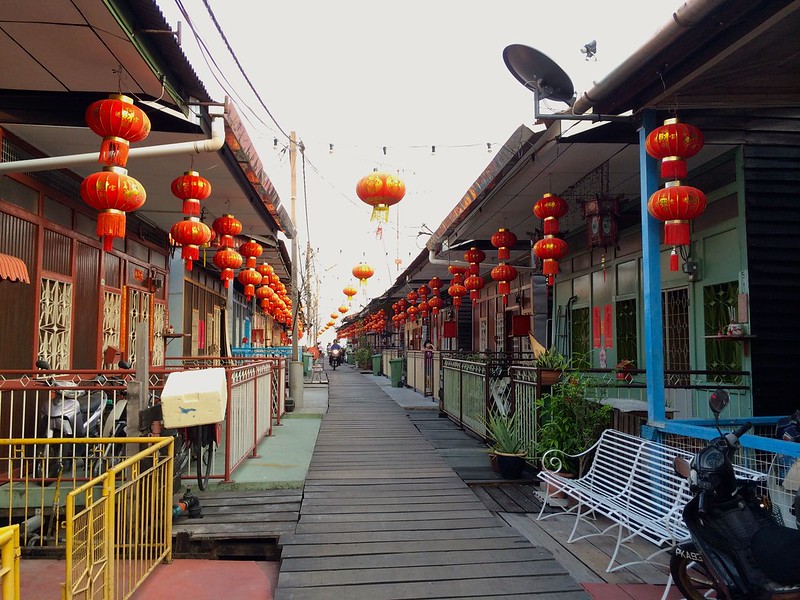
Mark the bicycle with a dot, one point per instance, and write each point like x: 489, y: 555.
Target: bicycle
x: 200, y: 442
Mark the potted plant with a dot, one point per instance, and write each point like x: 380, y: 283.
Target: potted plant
x: 571, y: 423
x: 551, y: 364
x: 508, y: 445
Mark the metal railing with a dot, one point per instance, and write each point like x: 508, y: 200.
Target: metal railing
x: 473, y: 384
x: 256, y: 393
x: 9, y: 562
x: 422, y: 372
x: 113, y: 529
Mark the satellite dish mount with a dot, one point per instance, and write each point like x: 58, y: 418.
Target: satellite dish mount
x: 546, y: 80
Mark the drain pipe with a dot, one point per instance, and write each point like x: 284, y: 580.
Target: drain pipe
x: 49, y: 163
x: 461, y: 263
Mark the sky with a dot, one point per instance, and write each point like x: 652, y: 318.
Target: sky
x: 363, y: 75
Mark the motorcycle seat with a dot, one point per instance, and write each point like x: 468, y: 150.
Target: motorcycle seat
x: 775, y: 552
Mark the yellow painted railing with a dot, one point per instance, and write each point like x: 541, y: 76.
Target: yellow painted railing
x: 9, y: 562
x: 115, y: 527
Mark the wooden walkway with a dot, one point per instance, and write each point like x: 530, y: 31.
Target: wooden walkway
x: 383, y: 516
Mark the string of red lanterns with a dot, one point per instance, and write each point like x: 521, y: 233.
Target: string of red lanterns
x: 675, y: 204
x: 550, y: 249
x: 112, y: 192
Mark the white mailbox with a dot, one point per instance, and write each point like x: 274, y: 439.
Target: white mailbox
x: 196, y: 397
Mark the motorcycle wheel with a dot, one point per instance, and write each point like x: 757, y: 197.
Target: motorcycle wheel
x: 693, y: 580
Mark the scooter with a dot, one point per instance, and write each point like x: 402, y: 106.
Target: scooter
x: 79, y: 413
x: 335, y: 358
x: 738, y: 548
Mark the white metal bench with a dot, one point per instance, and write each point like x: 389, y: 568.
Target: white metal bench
x: 631, y: 481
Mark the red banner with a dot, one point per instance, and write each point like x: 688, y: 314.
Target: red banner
x: 597, y: 327
x: 608, y: 314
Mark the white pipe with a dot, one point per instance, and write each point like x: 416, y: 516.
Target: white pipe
x: 461, y: 263
x: 211, y: 144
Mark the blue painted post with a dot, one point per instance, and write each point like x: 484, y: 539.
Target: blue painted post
x: 651, y: 279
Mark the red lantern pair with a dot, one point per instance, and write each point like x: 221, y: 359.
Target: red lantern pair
x: 675, y: 204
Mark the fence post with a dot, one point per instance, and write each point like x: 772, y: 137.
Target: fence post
x: 461, y: 395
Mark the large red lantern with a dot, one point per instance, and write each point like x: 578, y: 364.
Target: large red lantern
x: 251, y: 250
x: 550, y: 249
x: 676, y: 205
x: 227, y: 259
x: 474, y: 283
x: 504, y: 274
x: 112, y: 192
x: 119, y: 123
x: 227, y: 226
x: 474, y: 256
x: 673, y: 143
x: 457, y: 291
x: 380, y: 191
x: 191, y: 233
x: 362, y: 272
x: 191, y: 188
x: 550, y: 209
x: 503, y: 240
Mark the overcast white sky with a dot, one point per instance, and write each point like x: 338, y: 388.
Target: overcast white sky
x: 363, y: 74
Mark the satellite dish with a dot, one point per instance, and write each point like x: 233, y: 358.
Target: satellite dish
x: 539, y: 73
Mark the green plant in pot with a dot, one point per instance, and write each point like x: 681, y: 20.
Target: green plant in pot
x: 508, y: 444
x: 570, y: 424
x: 552, y: 365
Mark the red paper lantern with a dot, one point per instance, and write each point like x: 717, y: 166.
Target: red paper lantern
x: 227, y: 260
x: 457, y: 273
x: 343, y: 309
x: 474, y: 283
x: 435, y: 284
x: 249, y: 278
x: 227, y: 226
x: 119, y: 123
x: 474, y: 257
x: 424, y: 308
x: 504, y: 274
x: 251, y: 250
x: 191, y: 188
x: 676, y: 205
x: 435, y: 303
x: 190, y: 234
x: 112, y: 192
x: 503, y: 240
x: 412, y: 297
x: 380, y: 191
x: 362, y: 272
x: 550, y: 249
x: 457, y: 291
x: 550, y: 209
x: 349, y: 291
x: 673, y: 143
x: 266, y: 270
x: 424, y: 291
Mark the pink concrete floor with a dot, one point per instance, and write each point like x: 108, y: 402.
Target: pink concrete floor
x: 195, y: 579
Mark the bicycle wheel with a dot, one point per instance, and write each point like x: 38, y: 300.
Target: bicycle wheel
x: 203, y: 452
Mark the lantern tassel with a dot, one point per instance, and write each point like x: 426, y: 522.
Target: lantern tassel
x: 673, y: 260
x: 191, y: 207
x: 114, y: 151
x: 676, y: 233
x: 110, y: 224
x: 380, y: 212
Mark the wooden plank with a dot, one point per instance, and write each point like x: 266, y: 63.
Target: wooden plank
x: 454, y: 546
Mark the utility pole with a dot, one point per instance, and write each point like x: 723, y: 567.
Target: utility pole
x: 295, y: 365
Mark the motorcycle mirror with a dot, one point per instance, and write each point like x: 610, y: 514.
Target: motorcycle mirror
x: 682, y: 466
x: 718, y: 401
x: 43, y: 365
x: 124, y: 364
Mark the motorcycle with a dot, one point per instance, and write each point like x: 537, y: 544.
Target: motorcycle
x: 335, y: 358
x: 739, y: 549
x: 80, y: 413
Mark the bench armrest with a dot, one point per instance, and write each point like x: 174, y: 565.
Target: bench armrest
x: 555, y: 458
